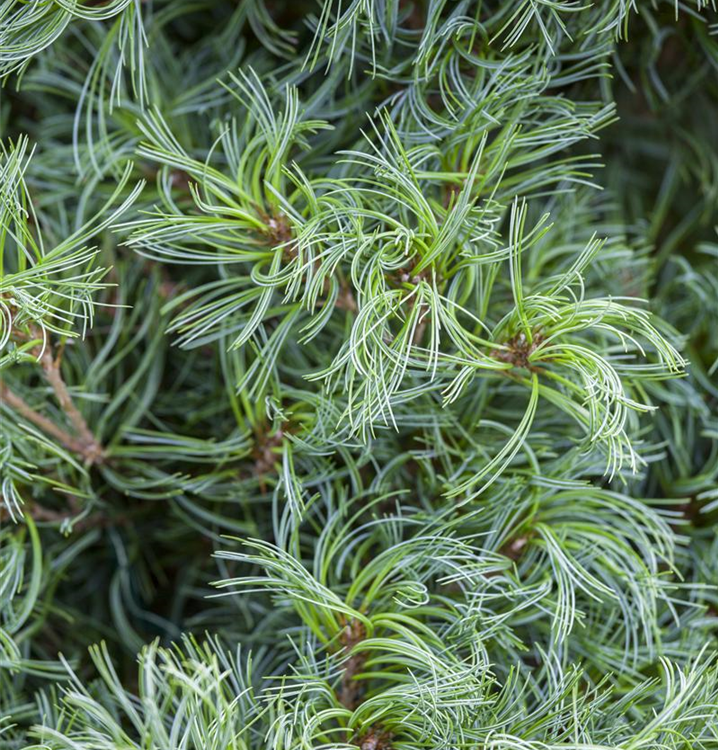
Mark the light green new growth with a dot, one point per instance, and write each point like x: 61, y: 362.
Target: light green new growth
x: 358, y: 375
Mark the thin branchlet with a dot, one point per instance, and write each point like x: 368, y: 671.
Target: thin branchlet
x: 83, y: 442
x: 351, y: 636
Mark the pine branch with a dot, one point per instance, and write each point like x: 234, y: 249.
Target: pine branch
x: 46, y: 425
x: 84, y: 442
x: 418, y: 305
x: 350, y: 688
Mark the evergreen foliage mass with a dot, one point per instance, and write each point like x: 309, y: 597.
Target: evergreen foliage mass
x: 359, y: 374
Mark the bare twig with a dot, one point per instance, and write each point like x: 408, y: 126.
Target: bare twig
x: 85, y: 444
x: 47, y: 426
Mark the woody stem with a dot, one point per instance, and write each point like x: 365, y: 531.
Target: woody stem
x: 85, y: 444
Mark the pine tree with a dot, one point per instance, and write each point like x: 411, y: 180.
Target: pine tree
x: 358, y: 374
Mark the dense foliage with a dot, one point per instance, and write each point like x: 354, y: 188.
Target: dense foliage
x: 359, y: 374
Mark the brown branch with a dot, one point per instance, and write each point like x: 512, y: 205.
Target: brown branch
x: 50, y: 428
x: 264, y: 456
x: 40, y: 513
x: 349, y: 692
x: 519, y: 351
x: 85, y: 444
x: 90, y: 448
x: 345, y: 299
x: 424, y: 320
x: 374, y: 739
x: 514, y: 548
x: 36, y: 512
